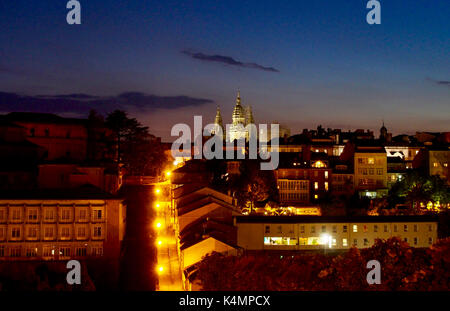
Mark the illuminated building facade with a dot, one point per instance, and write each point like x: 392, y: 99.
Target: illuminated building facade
x: 79, y: 224
x: 317, y: 232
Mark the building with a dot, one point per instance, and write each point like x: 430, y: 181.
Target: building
x: 434, y: 161
x: 286, y: 233
x: 241, y: 118
x: 68, y: 224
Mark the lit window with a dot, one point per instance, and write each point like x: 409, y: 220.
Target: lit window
x: 344, y: 242
x: 326, y: 186
x: 326, y: 174
x: 371, y: 160
x: 316, y: 185
x: 435, y: 164
x: 355, y: 228
x: 316, y: 196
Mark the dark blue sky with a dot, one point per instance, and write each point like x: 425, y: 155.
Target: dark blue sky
x: 302, y: 63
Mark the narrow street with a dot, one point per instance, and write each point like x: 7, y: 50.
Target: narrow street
x: 138, y: 264
x: 168, y: 267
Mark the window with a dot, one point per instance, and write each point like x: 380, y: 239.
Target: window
x: 49, y: 214
x: 371, y: 160
x: 64, y: 251
x: 430, y: 241
x: 405, y: 228
x: 81, y: 251
x: 316, y: 196
x: 2, y: 233
x: 81, y: 233
x: 47, y: 251
x: 16, y: 214
x: 344, y: 228
x: 2, y: 251
x: 375, y: 228
x: 415, y: 241
x: 32, y: 214
x: 385, y: 228
x: 47, y: 132
x: 267, y: 230
x: 316, y: 185
x: 435, y: 164
x: 279, y: 230
x: 313, y: 229
x: 97, y: 251
x: 355, y: 242
x: 326, y: 174
x: 365, y: 228
x: 395, y: 228
x: 326, y: 186
x: 98, y: 231
x: 334, y: 229
x: 31, y: 252
x: 65, y: 214
x: 302, y: 229
x: 48, y: 232
x: 65, y: 232
x: 324, y: 228
x: 280, y: 241
x: 15, y: 251
x: 406, y: 240
x: 15, y: 233
x: 430, y: 228
x: 97, y: 214
x: 380, y: 171
x: 415, y: 228
x: 32, y: 232
x: 333, y: 242
x: 366, y: 242
x: 2, y: 215
x: 355, y: 228
x: 344, y: 242
x: 83, y: 214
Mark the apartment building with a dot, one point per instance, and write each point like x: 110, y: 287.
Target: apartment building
x: 76, y: 223
x: 317, y: 233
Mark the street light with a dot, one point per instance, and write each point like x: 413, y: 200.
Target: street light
x: 157, y: 191
x: 168, y: 173
x: 160, y: 269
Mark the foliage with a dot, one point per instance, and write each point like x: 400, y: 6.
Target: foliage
x: 254, y: 185
x: 402, y: 268
x: 139, y: 151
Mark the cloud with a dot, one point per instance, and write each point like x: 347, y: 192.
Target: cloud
x: 83, y: 103
x: 439, y: 82
x: 227, y: 60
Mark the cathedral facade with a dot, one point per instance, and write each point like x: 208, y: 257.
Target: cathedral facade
x: 241, y: 117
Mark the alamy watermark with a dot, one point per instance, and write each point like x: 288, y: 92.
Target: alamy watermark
x: 258, y: 139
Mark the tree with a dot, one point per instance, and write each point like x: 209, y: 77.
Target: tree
x: 254, y: 185
x: 140, y: 152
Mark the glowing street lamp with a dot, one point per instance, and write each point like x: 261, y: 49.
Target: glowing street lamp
x: 160, y: 269
x: 158, y: 225
x: 157, y: 191
x: 168, y: 173
x: 159, y: 243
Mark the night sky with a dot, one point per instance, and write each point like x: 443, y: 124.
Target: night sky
x: 301, y: 63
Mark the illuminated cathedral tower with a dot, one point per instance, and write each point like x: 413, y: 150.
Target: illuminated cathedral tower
x: 240, y: 119
x: 218, y: 121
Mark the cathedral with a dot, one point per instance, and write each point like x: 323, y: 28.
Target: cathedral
x: 242, y: 116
